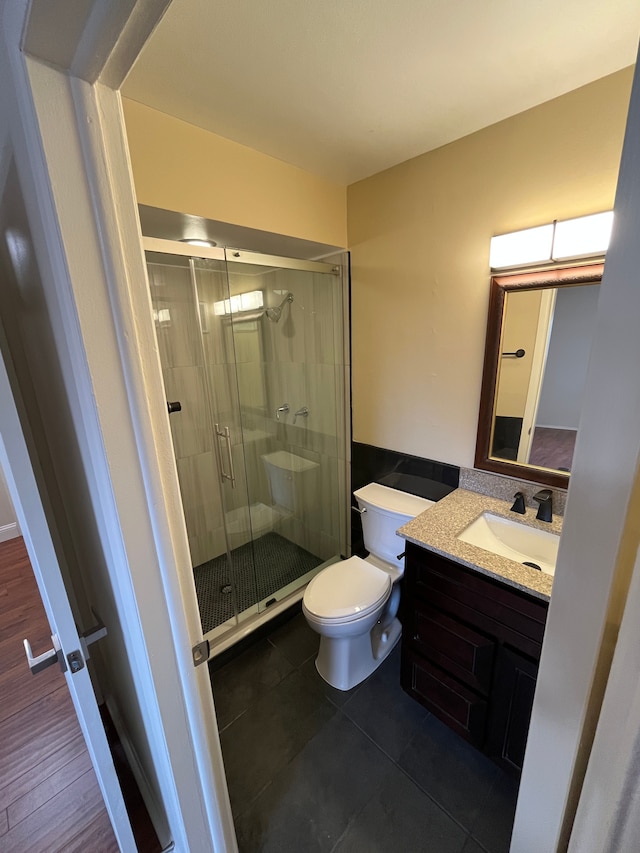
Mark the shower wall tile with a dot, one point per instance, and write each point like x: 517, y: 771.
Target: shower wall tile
x: 328, y: 547
x: 212, y: 287
x: 224, y: 393
x: 198, y: 476
x: 340, y: 310
x: 208, y: 546
x: 321, y: 326
x: 247, y: 341
x: 190, y: 428
x: 328, y: 521
x: 177, y: 334
x: 251, y: 386
x: 257, y: 480
x: 343, y: 384
x: 322, y: 402
x: 287, y: 384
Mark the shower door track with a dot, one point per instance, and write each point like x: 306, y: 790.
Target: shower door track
x: 228, y: 633
x: 235, y: 256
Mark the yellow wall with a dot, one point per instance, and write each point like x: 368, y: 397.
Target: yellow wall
x: 178, y: 166
x: 519, y: 328
x: 419, y: 235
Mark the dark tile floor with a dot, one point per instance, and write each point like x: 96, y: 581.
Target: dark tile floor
x: 310, y: 768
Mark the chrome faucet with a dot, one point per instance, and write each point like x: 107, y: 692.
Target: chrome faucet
x: 283, y: 409
x: 301, y: 413
x: 544, y: 498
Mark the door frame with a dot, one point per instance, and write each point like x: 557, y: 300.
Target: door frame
x: 72, y: 153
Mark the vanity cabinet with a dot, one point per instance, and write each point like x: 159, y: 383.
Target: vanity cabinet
x: 470, y: 652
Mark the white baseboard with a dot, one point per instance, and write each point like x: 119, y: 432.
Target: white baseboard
x: 156, y: 813
x: 9, y: 531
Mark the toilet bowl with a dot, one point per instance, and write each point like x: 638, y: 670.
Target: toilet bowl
x: 353, y: 604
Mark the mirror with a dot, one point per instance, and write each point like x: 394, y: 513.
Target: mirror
x: 539, y: 333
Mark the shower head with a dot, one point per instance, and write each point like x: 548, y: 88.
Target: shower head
x: 274, y: 314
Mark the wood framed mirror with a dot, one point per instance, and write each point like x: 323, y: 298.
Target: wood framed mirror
x: 539, y: 330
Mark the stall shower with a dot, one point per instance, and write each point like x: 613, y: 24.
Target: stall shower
x: 255, y: 366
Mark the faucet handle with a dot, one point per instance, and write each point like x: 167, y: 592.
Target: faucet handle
x: 544, y: 498
x: 518, y: 504
x: 301, y: 413
x: 283, y: 409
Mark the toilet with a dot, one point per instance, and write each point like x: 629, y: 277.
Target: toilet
x: 353, y: 603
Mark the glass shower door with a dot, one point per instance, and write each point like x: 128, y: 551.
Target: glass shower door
x: 290, y: 367
x: 253, y: 349
x: 230, y: 585
x: 197, y: 361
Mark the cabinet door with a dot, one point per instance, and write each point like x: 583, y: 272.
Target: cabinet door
x: 511, y: 704
x: 452, y: 702
x: 453, y: 646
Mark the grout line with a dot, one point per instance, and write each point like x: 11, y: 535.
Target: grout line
x: 464, y: 828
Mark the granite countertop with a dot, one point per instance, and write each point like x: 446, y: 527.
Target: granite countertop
x: 437, y: 529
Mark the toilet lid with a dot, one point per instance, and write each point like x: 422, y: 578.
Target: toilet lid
x: 350, y: 588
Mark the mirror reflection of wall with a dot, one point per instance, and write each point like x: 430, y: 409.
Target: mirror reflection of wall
x: 519, y: 328
x: 565, y: 374
x: 539, y: 396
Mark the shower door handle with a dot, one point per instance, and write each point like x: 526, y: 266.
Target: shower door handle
x: 224, y: 433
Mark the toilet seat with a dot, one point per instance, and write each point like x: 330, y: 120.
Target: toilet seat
x: 346, y: 591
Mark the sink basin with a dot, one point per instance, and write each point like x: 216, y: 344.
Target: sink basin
x: 514, y: 540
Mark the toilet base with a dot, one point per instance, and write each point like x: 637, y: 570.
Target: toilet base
x: 344, y: 662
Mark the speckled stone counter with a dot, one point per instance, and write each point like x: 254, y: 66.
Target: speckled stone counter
x: 437, y: 529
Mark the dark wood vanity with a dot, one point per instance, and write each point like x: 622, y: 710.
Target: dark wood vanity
x: 470, y: 652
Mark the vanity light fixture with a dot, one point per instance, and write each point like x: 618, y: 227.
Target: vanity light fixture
x: 531, y: 246
x: 579, y: 238
x: 586, y: 236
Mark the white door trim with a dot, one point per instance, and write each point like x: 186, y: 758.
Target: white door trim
x: 599, y: 539
x: 81, y: 201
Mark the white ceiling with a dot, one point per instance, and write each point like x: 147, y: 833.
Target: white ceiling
x: 346, y: 88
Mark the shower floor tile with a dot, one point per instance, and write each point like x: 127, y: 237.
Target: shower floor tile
x: 278, y: 562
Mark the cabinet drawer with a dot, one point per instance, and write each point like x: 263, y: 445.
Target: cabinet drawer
x: 458, y: 707
x: 488, y: 605
x: 457, y: 648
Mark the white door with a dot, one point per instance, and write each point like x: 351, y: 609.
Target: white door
x: 15, y: 460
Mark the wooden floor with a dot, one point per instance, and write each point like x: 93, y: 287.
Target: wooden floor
x: 553, y: 448
x: 49, y: 796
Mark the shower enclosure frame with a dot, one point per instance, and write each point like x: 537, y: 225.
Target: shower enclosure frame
x: 218, y: 640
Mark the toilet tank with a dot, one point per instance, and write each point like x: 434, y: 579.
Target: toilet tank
x: 292, y: 479
x: 387, y: 510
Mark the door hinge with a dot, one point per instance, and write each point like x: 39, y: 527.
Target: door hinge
x: 200, y: 652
